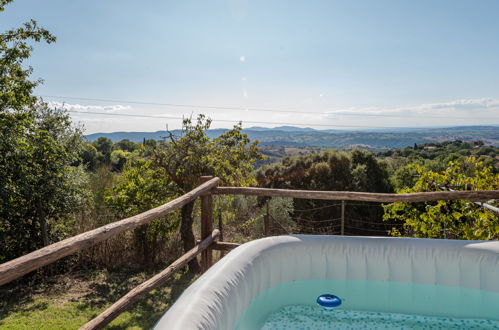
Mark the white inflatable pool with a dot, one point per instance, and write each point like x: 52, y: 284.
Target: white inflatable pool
x: 227, y: 293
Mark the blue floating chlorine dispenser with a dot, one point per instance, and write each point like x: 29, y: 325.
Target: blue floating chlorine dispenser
x: 328, y: 301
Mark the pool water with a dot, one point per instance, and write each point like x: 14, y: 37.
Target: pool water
x: 372, y: 305
x: 311, y: 317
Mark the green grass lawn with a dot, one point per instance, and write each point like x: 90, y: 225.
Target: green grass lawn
x: 69, y: 301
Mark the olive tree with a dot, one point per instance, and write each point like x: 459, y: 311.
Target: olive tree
x: 177, y: 164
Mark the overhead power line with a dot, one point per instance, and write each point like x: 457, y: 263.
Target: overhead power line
x: 226, y: 120
x: 238, y: 108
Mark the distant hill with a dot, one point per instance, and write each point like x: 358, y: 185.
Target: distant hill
x: 140, y: 136
x: 290, y: 136
x: 282, y: 128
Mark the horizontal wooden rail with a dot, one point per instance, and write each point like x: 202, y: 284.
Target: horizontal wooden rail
x: 16, y: 268
x: 131, y: 297
x: 361, y: 196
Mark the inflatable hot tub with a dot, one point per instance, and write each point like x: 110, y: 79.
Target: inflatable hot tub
x: 396, y: 282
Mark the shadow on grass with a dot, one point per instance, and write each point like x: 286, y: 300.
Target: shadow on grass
x: 147, y: 311
x: 17, y: 297
x: 84, y: 295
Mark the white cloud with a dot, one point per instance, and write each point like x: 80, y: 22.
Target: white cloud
x: 89, y: 108
x: 242, y: 58
x: 481, y: 106
x: 481, y: 103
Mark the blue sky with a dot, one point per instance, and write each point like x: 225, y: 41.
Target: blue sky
x: 334, y: 63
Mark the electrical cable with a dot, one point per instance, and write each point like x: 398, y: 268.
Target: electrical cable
x: 333, y: 112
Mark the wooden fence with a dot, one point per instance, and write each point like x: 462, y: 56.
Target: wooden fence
x: 16, y: 268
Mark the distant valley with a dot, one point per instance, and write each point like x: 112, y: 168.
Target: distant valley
x: 289, y: 136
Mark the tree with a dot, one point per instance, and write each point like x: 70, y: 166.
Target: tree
x: 38, y: 145
x: 104, y: 147
x: 151, y: 143
x: 139, y: 188
x: 328, y: 170
x: 16, y: 89
x: 405, y: 176
x: 89, y: 156
x: 126, y: 145
x: 118, y: 159
x: 448, y: 219
x: 185, y: 159
x: 39, y: 187
x: 179, y: 162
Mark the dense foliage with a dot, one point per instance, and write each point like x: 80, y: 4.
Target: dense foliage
x: 139, y: 188
x: 174, y: 168
x: 435, y: 157
x: 444, y: 151
x: 39, y: 187
x: 358, y: 170
x: 448, y: 219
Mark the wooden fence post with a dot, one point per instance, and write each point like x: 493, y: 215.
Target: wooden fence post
x: 206, y: 225
x: 342, y: 218
x: 220, y: 227
x: 266, y: 220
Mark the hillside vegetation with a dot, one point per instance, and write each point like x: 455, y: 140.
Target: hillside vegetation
x: 55, y: 184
